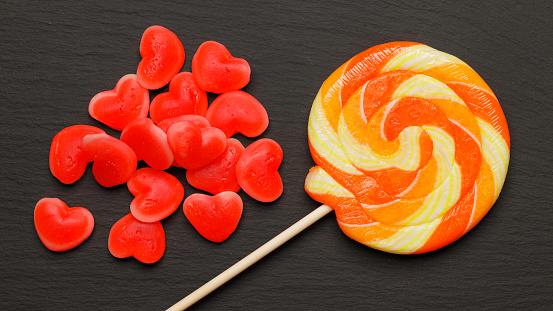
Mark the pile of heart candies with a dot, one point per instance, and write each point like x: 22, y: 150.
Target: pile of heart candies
x: 180, y: 131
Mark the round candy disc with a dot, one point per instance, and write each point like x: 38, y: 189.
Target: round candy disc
x: 412, y: 147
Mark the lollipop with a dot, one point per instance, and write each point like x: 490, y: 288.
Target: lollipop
x: 411, y: 147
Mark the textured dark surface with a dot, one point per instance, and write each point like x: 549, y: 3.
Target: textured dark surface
x: 54, y: 56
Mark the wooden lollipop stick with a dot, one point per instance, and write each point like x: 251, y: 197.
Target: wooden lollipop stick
x: 252, y: 258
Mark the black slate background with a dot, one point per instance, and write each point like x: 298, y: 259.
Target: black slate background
x: 55, y: 56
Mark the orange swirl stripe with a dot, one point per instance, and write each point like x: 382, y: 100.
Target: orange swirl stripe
x: 412, y: 147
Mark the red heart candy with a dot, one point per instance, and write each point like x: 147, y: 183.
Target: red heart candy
x: 257, y: 170
x: 215, y: 218
x: 220, y: 174
x: 162, y: 57
x: 157, y: 194
x: 198, y: 120
x: 129, y: 237
x: 68, y: 160
x: 59, y: 227
x: 122, y: 105
x: 184, y: 97
x: 114, y: 161
x: 238, y: 112
x: 149, y: 142
x: 193, y: 146
x: 216, y: 71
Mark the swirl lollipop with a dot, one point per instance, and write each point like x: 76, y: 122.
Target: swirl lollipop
x: 411, y: 147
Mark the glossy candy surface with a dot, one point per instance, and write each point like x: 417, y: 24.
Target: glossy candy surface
x: 214, y: 217
x: 68, y: 160
x: 162, y: 57
x: 412, y: 147
x: 197, y: 120
x: 193, y: 146
x: 218, y: 175
x: 114, y: 161
x: 149, y: 143
x: 157, y: 194
x: 122, y: 105
x: 257, y: 170
x: 184, y: 97
x: 216, y: 70
x: 238, y: 112
x: 59, y: 227
x: 129, y: 237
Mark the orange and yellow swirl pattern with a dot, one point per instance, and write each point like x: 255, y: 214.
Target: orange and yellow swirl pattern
x: 411, y: 147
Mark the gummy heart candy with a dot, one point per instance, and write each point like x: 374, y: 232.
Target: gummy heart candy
x: 238, y: 112
x: 216, y: 71
x: 149, y: 142
x: 198, y: 120
x: 162, y: 57
x: 257, y: 170
x: 67, y: 158
x: 193, y: 146
x: 114, y: 161
x: 130, y: 237
x: 59, y: 227
x: 214, y: 217
x: 184, y: 97
x: 120, y: 106
x: 220, y: 174
x: 157, y: 194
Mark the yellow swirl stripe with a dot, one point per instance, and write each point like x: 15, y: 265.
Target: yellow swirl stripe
x: 422, y: 86
x: 444, y: 150
x: 361, y: 156
x: 496, y: 153
x: 320, y: 182
x: 420, y: 58
x: 439, y: 201
x: 407, y: 240
x: 325, y: 140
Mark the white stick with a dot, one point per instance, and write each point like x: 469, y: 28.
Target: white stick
x: 252, y: 258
